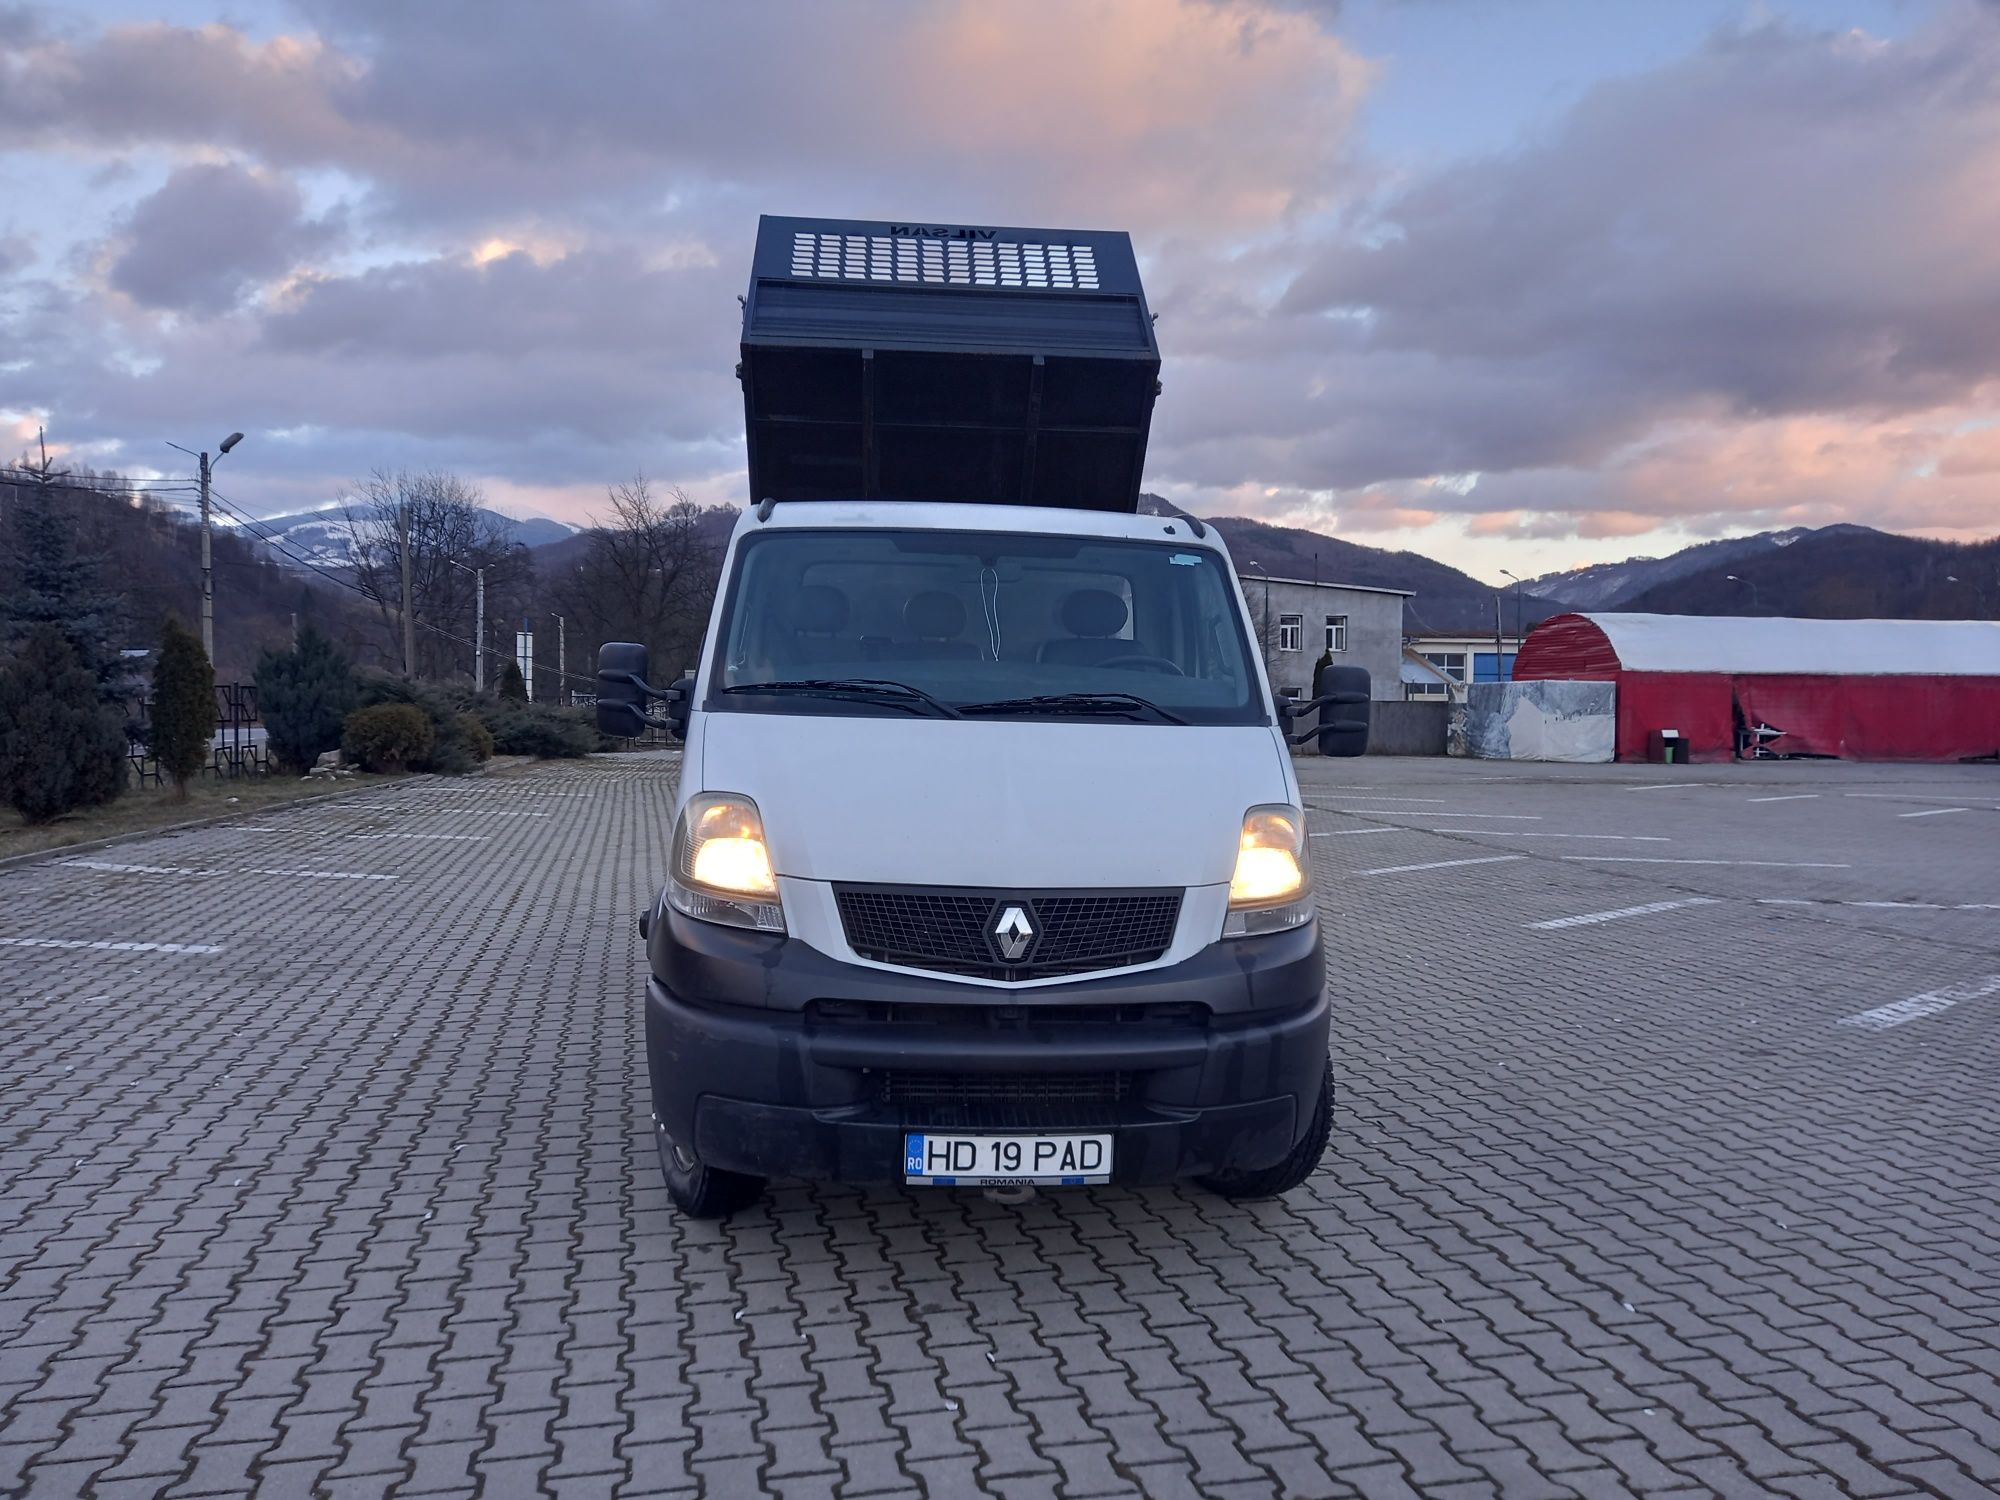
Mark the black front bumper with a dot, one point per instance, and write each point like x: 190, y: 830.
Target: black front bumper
x: 769, y: 1057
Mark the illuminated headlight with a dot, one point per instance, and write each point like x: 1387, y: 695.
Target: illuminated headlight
x: 722, y: 866
x: 1271, y: 889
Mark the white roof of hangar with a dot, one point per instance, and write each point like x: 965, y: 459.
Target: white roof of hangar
x: 1775, y: 645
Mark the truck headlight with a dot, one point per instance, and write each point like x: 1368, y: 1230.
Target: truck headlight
x: 1271, y: 889
x: 722, y: 866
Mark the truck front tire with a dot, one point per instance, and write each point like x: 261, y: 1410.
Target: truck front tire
x: 1303, y: 1161
x: 703, y: 1192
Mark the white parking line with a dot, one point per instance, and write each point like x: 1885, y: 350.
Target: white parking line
x: 111, y: 869
x: 1404, y: 799
x: 1592, y: 917
x: 1667, y: 786
x: 1927, y: 1004
x: 1933, y: 812
x: 1773, y: 864
x: 1442, y: 864
x: 1789, y: 797
x: 1892, y: 796
x: 307, y: 831
x: 457, y: 838
x: 315, y: 874
x: 1353, y: 833
x: 1426, y: 812
x: 1886, y: 905
x: 1536, y: 833
x: 419, y: 810
x: 109, y: 947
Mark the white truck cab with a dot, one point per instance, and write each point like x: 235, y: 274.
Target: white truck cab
x: 989, y: 865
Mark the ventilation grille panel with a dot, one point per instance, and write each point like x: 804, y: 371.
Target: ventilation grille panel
x: 1033, y: 266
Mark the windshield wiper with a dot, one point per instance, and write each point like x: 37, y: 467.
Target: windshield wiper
x: 856, y: 689
x: 1126, y: 705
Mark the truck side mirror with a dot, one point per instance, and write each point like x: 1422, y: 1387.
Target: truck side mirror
x: 1343, y: 695
x: 621, y: 691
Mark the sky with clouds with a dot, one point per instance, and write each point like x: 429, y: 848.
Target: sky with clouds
x: 1518, y: 285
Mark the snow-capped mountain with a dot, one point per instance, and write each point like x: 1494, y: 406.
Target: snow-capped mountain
x: 321, y: 537
x: 1612, y: 585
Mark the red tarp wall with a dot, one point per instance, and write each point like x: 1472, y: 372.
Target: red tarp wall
x: 1860, y: 717
x: 1695, y: 703
x: 1874, y: 718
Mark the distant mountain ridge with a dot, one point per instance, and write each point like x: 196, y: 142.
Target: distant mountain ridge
x: 1443, y: 600
x: 1613, y: 585
x: 1839, y: 573
x: 322, y: 538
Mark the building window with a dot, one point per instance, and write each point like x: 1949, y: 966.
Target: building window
x: 1450, y: 662
x: 1336, y: 632
x: 1423, y: 690
x: 1290, y: 629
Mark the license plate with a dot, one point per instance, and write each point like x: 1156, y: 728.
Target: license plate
x: 1006, y: 1160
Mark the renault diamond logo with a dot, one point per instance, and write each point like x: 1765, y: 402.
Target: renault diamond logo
x: 1012, y: 933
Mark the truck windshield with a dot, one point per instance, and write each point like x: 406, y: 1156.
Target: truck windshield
x: 980, y: 624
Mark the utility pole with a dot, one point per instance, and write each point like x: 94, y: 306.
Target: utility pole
x: 409, y: 624
x: 207, y: 569
x: 562, y: 658
x: 207, y: 532
x: 478, y: 621
x: 1501, y: 667
x: 1499, y: 650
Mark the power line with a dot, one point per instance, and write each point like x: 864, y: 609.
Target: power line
x: 109, y: 484
x: 416, y: 620
x: 31, y: 478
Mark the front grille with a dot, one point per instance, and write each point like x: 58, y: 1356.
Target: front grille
x: 964, y: 931
x: 1174, y: 1015
x: 904, y: 1086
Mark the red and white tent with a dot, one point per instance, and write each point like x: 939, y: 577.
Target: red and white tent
x: 1926, y: 690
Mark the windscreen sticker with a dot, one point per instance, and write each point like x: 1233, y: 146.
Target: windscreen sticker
x: 1185, y: 560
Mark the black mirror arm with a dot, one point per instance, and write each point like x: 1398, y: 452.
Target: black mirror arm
x: 633, y: 679
x: 1293, y: 709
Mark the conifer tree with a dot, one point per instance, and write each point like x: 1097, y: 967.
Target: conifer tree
x: 303, y: 697
x: 56, y: 585
x: 512, y: 684
x: 61, y: 746
x: 183, y: 706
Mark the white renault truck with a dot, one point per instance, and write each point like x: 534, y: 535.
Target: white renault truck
x: 988, y: 865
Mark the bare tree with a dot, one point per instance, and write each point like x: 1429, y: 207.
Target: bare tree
x: 646, y: 572
x: 447, y: 524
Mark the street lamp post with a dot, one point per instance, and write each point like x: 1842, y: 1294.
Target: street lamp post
x: 562, y: 658
x: 1755, y: 602
x: 1264, y: 628
x: 1517, y: 618
x: 479, y: 622
x: 1979, y: 589
x: 207, y: 535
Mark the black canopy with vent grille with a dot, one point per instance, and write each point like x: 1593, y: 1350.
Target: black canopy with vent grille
x: 946, y: 362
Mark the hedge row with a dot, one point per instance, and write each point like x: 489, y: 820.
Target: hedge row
x: 467, y: 727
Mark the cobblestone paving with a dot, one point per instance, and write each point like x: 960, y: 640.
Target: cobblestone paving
x: 349, y: 1190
